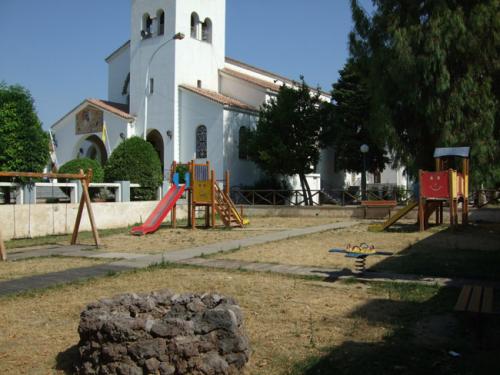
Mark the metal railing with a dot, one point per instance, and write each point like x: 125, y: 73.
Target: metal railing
x: 344, y: 197
x: 340, y: 197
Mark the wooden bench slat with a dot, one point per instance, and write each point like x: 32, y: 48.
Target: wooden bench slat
x: 475, y: 299
x: 487, y: 300
x: 463, y: 298
x: 379, y: 203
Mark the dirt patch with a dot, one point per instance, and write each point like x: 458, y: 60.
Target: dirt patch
x: 30, y: 267
x: 169, y: 239
x: 287, y: 319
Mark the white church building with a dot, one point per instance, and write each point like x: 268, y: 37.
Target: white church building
x: 173, y: 85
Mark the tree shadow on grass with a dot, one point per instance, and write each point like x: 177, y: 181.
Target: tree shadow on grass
x: 472, y: 251
x: 67, y: 360
x: 422, y: 333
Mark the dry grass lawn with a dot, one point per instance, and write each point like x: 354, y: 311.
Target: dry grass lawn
x: 287, y: 319
x: 16, y: 269
x: 466, y: 252
x: 312, y: 250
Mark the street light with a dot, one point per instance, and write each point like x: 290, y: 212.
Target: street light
x: 177, y: 36
x: 364, y: 150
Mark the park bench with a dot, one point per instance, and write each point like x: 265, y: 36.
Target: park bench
x: 384, y: 206
x: 476, y: 301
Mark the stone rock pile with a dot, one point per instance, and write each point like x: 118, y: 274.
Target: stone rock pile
x: 163, y: 333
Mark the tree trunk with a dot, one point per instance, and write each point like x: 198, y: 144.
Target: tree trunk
x: 308, y: 189
x: 304, y: 189
x: 3, y: 252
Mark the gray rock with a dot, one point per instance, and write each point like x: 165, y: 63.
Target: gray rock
x: 163, y: 333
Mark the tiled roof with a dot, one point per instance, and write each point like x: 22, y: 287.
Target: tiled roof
x: 219, y: 98
x: 123, y: 46
x: 247, y: 78
x: 118, y: 109
x: 255, y: 69
x: 278, y: 77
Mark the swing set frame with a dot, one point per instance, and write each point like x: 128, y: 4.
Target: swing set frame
x: 85, y: 179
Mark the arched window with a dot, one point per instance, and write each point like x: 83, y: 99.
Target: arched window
x: 243, y: 143
x: 206, y: 31
x: 195, y: 25
x: 201, y: 142
x: 146, y: 26
x: 160, y: 16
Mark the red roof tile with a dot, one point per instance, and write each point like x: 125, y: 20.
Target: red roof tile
x: 247, y: 78
x: 219, y: 98
x: 118, y: 109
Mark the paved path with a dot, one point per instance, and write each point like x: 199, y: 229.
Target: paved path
x: 331, y: 273
x: 191, y: 256
x: 132, y: 261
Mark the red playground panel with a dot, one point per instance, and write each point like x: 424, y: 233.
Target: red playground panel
x: 435, y: 184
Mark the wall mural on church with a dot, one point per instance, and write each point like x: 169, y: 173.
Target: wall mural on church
x: 89, y: 120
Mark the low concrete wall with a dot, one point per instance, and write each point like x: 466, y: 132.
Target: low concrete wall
x: 20, y: 221
x: 298, y: 211
x: 484, y: 214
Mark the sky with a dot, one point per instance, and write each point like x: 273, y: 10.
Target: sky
x: 56, y: 48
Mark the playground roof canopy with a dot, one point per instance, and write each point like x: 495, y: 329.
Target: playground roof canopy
x: 462, y: 152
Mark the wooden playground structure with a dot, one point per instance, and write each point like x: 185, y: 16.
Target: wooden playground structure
x: 204, y: 193
x: 445, y: 185
x: 85, y: 179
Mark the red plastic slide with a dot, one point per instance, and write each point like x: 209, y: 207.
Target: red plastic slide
x: 160, y: 212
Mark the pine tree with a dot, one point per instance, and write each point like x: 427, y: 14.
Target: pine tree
x: 350, y: 124
x: 287, y: 138
x: 433, y: 76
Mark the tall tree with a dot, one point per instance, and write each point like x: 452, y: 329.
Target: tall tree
x: 350, y: 124
x: 433, y: 70
x: 287, y: 138
x: 24, y: 146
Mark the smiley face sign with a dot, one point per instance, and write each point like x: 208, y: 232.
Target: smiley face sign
x: 435, y: 184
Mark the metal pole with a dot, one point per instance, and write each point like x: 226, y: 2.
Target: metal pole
x: 363, y: 178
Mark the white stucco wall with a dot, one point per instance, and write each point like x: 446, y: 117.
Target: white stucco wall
x: 242, y: 172
x: 243, y: 91
x: 194, y: 111
x: 161, y: 102
x: 330, y: 179
x: 118, y: 69
x: 69, y: 143
x: 173, y: 62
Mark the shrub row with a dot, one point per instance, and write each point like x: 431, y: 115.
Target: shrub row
x: 134, y: 160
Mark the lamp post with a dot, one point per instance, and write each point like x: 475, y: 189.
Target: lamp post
x: 364, y: 150
x: 177, y: 36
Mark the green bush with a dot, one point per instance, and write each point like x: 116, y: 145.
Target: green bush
x: 182, y: 170
x: 74, y: 166
x: 135, y: 160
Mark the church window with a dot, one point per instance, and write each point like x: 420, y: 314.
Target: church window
x: 160, y: 16
x: 243, y: 143
x: 206, y: 31
x: 201, y: 142
x: 146, y: 26
x: 195, y: 25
